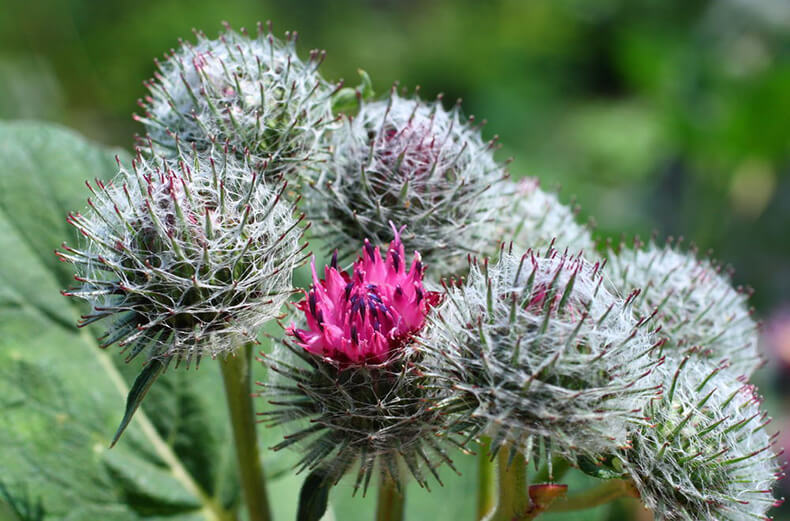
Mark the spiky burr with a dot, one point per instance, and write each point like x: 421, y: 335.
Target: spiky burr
x: 410, y: 162
x: 705, y: 451
x: 535, y: 351
x: 694, y: 303
x: 252, y: 92
x: 187, y: 257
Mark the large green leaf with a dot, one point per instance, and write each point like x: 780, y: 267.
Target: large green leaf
x: 61, y: 397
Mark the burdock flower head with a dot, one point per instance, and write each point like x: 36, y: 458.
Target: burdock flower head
x: 535, y: 351
x: 695, y: 304
x: 184, y: 258
x: 252, y: 92
x: 536, y: 219
x: 704, y: 452
x: 365, y: 317
x: 411, y: 162
x: 350, y: 376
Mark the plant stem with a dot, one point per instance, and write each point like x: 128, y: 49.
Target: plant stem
x: 485, y: 478
x: 603, y: 493
x: 390, y: 501
x: 512, y: 499
x: 236, y: 376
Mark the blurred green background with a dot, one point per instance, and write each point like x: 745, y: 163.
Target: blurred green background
x: 666, y: 115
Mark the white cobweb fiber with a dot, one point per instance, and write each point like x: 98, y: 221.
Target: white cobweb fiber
x: 695, y: 303
x: 541, y: 353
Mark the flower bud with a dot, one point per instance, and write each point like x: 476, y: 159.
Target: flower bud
x: 694, y: 304
x: 535, y: 351
x: 254, y: 93
x: 185, y: 257
x: 409, y: 162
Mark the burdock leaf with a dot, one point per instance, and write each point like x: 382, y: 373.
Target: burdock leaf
x: 61, y: 396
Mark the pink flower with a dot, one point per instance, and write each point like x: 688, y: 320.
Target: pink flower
x: 365, y: 317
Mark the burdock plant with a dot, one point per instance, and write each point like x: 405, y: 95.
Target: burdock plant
x: 541, y: 359
x: 190, y: 254
x: 632, y: 366
x: 185, y: 258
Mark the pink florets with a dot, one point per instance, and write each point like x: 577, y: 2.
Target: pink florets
x: 364, y: 317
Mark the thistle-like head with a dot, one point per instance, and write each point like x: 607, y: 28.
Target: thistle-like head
x: 365, y: 316
x: 410, y: 162
x: 704, y: 451
x: 534, y: 350
x: 254, y: 93
x: 184, y: 257
x: 694, y: 303
x: 349, y: 389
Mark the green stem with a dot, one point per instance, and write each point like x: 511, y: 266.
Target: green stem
x: 604, y: 493
x: 236, y: 376
x: 485, y: 478
x: 390, y: 501
x: 512, y: 498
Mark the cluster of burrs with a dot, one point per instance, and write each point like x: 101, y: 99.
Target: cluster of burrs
x: 189, y: 251
x: 633, y: 363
